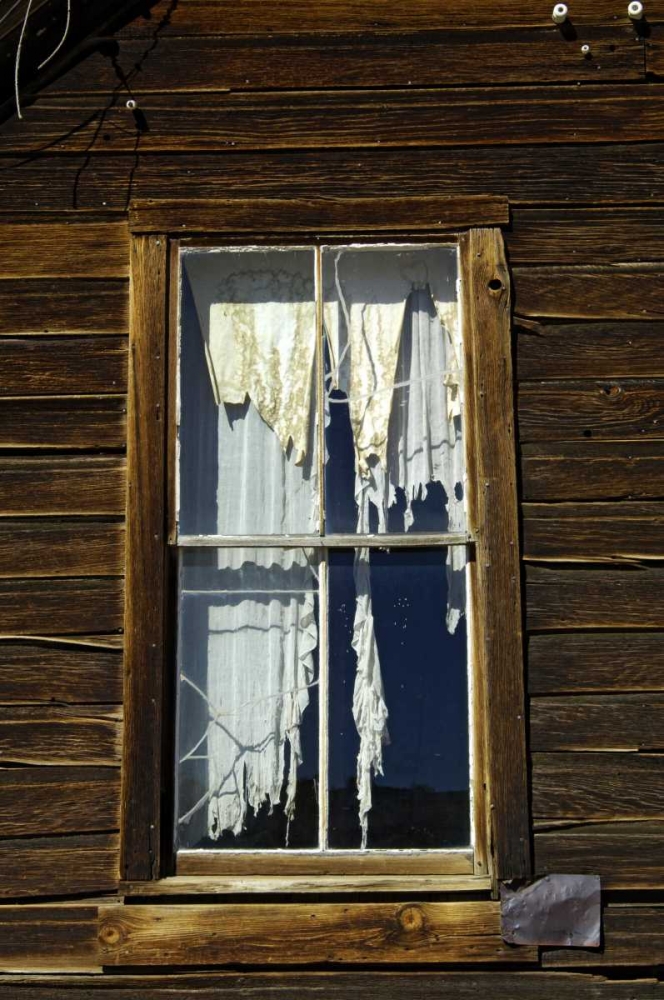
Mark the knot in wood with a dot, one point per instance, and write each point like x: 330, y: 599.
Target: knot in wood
x: 110, y: 934
x: 411, y: 919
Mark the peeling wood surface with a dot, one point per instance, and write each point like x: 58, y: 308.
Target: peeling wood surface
x: 261, y: 934
x: 599, y: 786
x: 592, y: 470
x: 595, y: 662
x: 631, y: 853
x: 41, y: 801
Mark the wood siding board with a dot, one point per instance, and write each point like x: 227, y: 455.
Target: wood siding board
x: 145, y: 557
x: 578, y: 236
x: 615, y: 409
x: 592, y: 470
x: 63, y: 422
x: 634, y: 292
x: 32, y: 548
x: 597, y: 722
x: 590, y: 350
x: 61, y: 606
x: 51, y: 800
x: 57, y: 735
x: 597, y: 786
x: 41, y: 366
x: 593, y: 531
x: 569, y: 597
x: 204, y: 864
x: 33, y: 671
x: 64, y: 250
x: 56, y: 485
x: 58, y: 866
x: 595, y: 662
x: 48, y: 938
x: 262, y: 934
x: 632, y: 935
x: 627, y: 855
x: 424, y: 59
x: 50, y: 306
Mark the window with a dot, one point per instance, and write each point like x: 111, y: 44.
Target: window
x: 333, y: 556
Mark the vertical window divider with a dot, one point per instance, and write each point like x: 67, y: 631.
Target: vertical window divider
x: 323, y: 632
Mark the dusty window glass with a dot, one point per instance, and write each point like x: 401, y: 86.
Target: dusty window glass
x: 322, y: 678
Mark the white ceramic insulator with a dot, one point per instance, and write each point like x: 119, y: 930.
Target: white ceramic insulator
x: 585, y: 49
x: 559, y: 13
x: 131, y: 104
x: 635, y: 10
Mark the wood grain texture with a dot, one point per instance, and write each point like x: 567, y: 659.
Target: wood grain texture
x: 262, y: 934
x: 63, y: 306
x: 57, y: 735
x: 206, y: 865
x: 65, y: 422
x: 40, y: 548
x: 48, y: 938
x: 611, y: 292
x: 42, y: 801
x: 592, y: 470
x: 41, y: 366
x: 33, y: 671
x: 145, y: 559
x: 597, y: 786
x: 418, y: 59
x: 64, y: 250
x: 54, y: 485
x: 336, y: 119
x: 626, y: 855
x: 586, y: 235
x: 59, y: 866
x: 589, y: 350
x: 493, y: 506
x: 615, y: 409
x: 303, y: 885
x: 603, y: 597
x: 319, y: 214
x: 597, y: 722
x: 61, y: 606
x: 631, y: 935
x: 593, y: 531
x: 596, y: 662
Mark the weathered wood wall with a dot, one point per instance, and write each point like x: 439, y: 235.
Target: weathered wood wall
x: 344, y: 99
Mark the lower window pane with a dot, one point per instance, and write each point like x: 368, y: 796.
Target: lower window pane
x: 398, y: 691
x: 248, y: 699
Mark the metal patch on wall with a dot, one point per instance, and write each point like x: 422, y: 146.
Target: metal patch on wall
x: 560, y: 910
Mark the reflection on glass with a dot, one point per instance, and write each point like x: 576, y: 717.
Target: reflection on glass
x: 248, y: 699
x: 393, y: 390
x: 247, y: 390
x: 414, y: 697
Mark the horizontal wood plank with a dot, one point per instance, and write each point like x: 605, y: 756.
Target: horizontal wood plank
x: 58, y: 485
x: 204, y: 864
x: 40, y: 548
x: 59, y: 866
x: 64, y: 250
x: 205, y: 63
x: 47, y: 938
x: 611, y: 292
x: 596, y: 662
x: 337, y: 119
x: 57, y: 735
x: 597, y: 786
x: 42, y: 366
x: 42, y: 801
x: 38, y: 670
x: 590, y: 350
x: 63, y: 306
x: 603, y: 597
x: 592, y: 470
x: 263, y: 934
x: 63, y: 422
x: 313, y: 214
x: 61, y: 606
x: 615, y: 409
x: 586, y: 235
x: 626, y: 855
x: 593, y: 531
x: 597, y: 722
x: 213, y: 885
x: 631, y: 935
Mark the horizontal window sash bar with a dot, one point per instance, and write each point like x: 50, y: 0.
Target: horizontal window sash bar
x: 322, y: 541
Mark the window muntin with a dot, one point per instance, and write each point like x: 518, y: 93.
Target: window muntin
x: 351, y: 316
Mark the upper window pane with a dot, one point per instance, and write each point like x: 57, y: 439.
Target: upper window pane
x: 247, y: 424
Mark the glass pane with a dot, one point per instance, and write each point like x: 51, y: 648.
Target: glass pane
x: 397, y: 674
x: 247, y: 431
x: 248, y: 699
x: 393, y: 361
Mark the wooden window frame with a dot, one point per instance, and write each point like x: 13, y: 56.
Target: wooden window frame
x: 501, y: 849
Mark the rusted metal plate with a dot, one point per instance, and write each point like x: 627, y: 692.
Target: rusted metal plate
x: 561, y: 910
